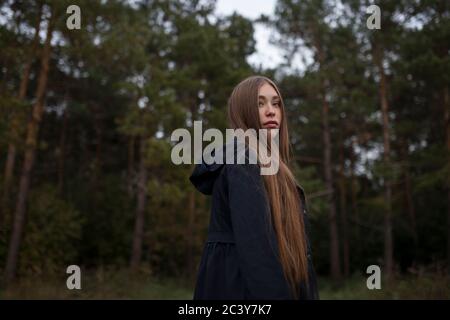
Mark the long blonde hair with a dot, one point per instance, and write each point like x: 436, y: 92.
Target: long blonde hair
x: 281, y: 188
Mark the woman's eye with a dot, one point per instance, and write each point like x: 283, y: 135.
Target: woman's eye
x: 276, y: 104
x: 261, y: 104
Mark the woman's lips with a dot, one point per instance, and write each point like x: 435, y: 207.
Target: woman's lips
x: 271, y: 125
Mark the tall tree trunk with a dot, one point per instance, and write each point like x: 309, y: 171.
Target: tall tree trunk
x: 98, y: 129
x: 9, y: 169
x: 12, y: 149
x: 95, y: 158
x: 136, y: 253
x: 29, y: 157
x: 190, y: 233
x: 62, y: 152
x: 99, y: 140
x: 447, y: 135
x: 408, y: 195
x: 388, y: 240
x: 354, y: 185
x: 130, y: 173
x: 335, y: 268
x: 328, y: 168
x: 192, y: 102
x: 343, y: 202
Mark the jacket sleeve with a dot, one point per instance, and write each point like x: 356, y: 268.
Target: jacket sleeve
x: 254, y: 236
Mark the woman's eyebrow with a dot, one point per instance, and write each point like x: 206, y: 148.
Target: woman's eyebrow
x: 273, y: 97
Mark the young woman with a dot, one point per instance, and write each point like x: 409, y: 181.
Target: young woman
x: 257, y: 246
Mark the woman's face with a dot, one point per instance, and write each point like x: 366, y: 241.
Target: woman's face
x: 269, y: 106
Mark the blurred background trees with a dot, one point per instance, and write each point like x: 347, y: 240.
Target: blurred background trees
x: 87, y: 116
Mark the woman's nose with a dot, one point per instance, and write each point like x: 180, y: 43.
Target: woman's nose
x: 270, y: 111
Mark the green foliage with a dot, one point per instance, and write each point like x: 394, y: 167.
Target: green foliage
x: 108, y: 216
x: 52, y: 233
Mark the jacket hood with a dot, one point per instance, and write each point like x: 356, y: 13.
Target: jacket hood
x: 204, y: 175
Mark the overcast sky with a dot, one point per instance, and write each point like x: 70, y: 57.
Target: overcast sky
x: 267, y: 54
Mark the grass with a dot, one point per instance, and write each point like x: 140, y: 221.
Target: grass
x: 101, y: 284
x: 409, y: 287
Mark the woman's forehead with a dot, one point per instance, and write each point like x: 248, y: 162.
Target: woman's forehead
x: 267, y: 91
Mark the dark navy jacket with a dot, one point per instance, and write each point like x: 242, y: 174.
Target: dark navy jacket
x: 240, y: 257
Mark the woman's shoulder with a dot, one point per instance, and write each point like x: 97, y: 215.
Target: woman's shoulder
x: 242, y: 171
x: 243, y: 178
x: 241, y: 163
